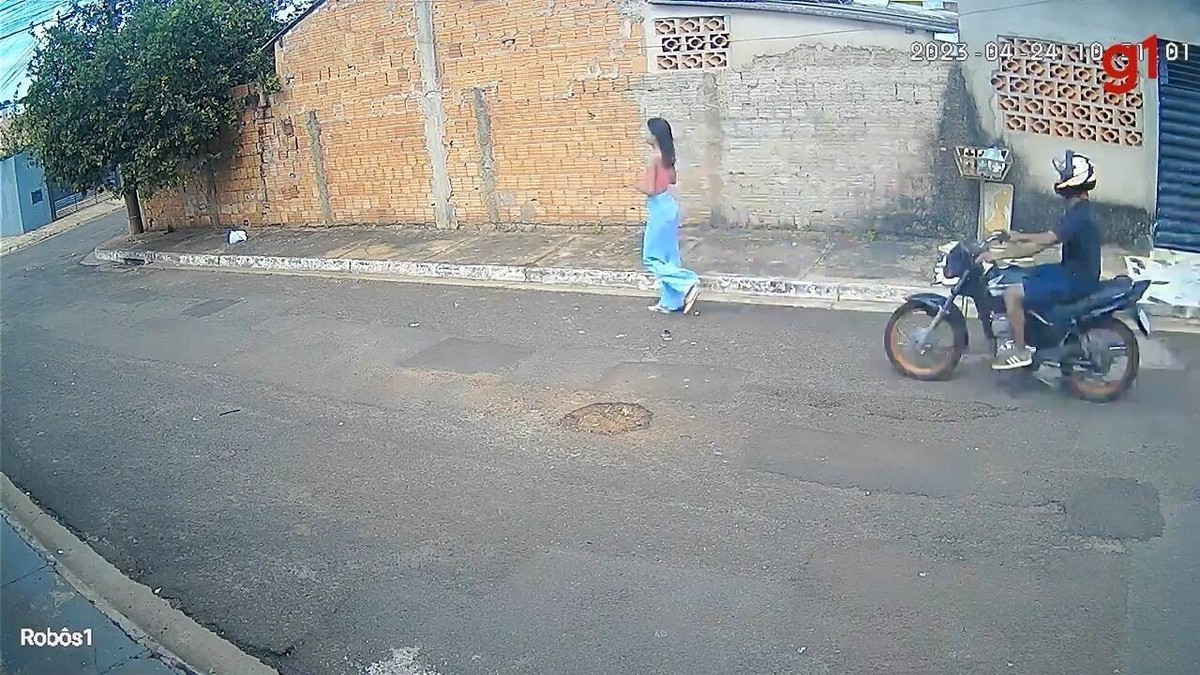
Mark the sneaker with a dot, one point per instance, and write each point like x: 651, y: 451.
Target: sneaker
x: 658, y: 308
x: 1011, y: 358
x: 689, y: 300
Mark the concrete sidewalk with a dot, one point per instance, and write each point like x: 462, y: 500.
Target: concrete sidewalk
x: 815, y: 267
x: 64, y: 224
x: 37, y: 597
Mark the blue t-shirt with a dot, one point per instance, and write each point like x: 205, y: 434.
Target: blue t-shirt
x: 1080, y: 239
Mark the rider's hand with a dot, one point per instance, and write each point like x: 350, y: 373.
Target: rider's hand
x: 985, y: 257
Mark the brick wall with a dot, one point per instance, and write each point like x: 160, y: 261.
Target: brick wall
x: 543, y: 124
x: 532, y: 112
x: 539, y: 123
x: 342, y: 142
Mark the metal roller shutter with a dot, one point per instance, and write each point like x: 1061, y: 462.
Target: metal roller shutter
x: 1178, y: 199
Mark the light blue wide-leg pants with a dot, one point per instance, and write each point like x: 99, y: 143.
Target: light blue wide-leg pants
x: 660, y: 251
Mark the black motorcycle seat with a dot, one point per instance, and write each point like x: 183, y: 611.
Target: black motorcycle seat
x: 1107, y: 291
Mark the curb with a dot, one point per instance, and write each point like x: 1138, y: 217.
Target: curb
x: 146, y: 617
x: 825, y: 292
x: 830, y: 291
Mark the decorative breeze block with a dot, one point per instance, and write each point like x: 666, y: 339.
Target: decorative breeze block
x: 692, y: 43
x: 1057, y: 90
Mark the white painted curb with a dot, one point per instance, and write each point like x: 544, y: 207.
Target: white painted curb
x: 825, y: 292
x: 831, y: 291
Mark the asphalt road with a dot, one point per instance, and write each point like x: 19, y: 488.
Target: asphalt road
x: 367, y: 477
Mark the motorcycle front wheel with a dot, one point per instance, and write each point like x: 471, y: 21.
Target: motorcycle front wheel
x: 917, y: 352
x: 1097, y: 386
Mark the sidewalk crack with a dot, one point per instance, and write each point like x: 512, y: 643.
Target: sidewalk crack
x: 535, y: 261
x: 27, y: 575
x: 446, y: 250
x: 825, y: 251
x: 142, y: 654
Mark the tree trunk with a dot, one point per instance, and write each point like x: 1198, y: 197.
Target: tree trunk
x: 134, y: 210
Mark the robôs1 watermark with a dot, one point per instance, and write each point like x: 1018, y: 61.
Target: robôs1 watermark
x: 56, y: 638
x: 1121, y: 61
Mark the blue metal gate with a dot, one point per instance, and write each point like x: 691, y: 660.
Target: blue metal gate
x: 65, y: 201
x: 1178, y: 200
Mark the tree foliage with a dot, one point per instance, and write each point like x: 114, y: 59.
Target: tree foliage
x: 142, y: 86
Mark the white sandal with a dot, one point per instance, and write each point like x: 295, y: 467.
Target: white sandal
x: 689, y: 300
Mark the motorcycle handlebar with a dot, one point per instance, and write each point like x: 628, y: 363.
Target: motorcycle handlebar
x: 979, y: 246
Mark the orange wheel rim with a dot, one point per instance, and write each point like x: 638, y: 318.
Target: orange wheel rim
x: 899, y: 353
x: 1092, y: 388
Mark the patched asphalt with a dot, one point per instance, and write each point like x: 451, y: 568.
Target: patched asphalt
x: 336, y: 473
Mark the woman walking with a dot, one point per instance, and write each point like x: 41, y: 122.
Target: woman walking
x: 660, y: 243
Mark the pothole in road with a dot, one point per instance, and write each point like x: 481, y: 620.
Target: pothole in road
x: 608, y: 419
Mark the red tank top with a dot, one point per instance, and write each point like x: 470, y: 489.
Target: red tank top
x: 664, y: 177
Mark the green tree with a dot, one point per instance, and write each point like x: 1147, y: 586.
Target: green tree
x: 142, y: 86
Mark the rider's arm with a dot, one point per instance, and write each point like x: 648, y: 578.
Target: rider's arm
x: 1042, y: 239
x: 1024, y: 245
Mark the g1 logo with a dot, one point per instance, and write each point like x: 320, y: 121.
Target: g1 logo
x: 1121, y: 62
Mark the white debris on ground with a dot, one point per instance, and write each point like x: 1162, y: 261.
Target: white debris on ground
x: 401, y: 662
x: 1180, y: 271
x: 236, y: 237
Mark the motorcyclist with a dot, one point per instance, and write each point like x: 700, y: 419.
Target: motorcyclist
x: 1075, y: 276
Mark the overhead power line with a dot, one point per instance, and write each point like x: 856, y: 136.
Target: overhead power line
x: 31, y: 26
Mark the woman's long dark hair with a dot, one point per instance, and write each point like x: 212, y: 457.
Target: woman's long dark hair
x: 661, y: 130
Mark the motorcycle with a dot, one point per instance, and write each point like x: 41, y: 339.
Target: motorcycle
x: 1066, y: 336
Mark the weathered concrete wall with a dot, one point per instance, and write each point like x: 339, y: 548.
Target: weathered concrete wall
x: 1128, y: 172
x: 816, y: 124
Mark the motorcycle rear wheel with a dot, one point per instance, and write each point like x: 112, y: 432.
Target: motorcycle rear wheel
x: 1083, y: 387
x: 900, y: 355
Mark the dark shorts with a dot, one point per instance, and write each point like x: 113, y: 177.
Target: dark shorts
x: 1050, y: 284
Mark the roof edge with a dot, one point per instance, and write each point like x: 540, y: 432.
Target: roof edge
x: 291, y: 24
x: 890, y: 16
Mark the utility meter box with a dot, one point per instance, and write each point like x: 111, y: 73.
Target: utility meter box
x: 986, y: 164
x: 989, y: 166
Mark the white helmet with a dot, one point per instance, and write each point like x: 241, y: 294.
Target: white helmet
x: 1076, y: 174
